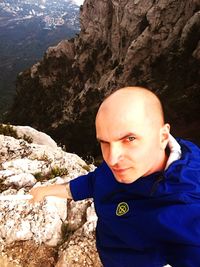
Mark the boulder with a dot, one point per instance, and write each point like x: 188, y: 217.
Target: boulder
x: 49, y: 227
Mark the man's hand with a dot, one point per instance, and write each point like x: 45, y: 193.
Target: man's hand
x: 38, y: 194
x: 57, y: 190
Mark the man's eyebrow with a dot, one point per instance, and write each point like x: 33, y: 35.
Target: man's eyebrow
x: 124, y: 136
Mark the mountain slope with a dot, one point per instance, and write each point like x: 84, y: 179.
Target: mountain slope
x: 27, y: 29
x: 147, y: 43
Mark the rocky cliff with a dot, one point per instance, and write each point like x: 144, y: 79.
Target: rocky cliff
x: 55, y: 232
x: 152, y: 43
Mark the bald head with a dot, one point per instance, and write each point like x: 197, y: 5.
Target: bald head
x: 130, y: 128
x: 139, y: 100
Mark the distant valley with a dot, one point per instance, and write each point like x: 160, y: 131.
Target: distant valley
x: 27, y: 29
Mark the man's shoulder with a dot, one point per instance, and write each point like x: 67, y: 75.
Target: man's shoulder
x: 188, y: 146
x: 103, y: 169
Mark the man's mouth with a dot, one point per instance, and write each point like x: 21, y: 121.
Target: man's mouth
x: 120, y: 170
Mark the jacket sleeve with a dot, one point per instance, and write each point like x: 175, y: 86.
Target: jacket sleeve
x: 82, y: 187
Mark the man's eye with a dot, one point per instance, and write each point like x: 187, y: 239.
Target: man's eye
x: 131, y: 138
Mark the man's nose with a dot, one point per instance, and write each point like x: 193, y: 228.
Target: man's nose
x: 115, y: 154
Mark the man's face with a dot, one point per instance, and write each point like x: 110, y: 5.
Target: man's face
x: 130, y: 143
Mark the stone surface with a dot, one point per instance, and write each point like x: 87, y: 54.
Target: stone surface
x: 51, y: 227
x: 80, y: 249
x: 37, y: 137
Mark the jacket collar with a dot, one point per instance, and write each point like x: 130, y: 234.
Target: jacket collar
x: 175, y: 151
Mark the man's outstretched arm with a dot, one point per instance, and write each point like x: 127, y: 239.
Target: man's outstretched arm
x: 57, y: 190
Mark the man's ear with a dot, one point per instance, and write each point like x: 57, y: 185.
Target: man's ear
x: 164, y: 135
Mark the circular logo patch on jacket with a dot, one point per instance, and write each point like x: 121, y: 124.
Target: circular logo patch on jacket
x: 122, y: 208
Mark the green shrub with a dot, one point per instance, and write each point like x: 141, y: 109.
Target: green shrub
x: 39, y: 176
x: 27, y: 138
x: 86, y: 167
x: 57, y: 171
x: 54, y: 172
x: 8, y: 130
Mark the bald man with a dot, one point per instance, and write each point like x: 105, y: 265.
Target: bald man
x: 147, y: 190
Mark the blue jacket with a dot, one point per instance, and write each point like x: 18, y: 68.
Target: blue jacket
x: 159, y: 209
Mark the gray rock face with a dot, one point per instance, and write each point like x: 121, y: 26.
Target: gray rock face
x: 36, y: 137
x: 52, y: 223
x: 147, y: 43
